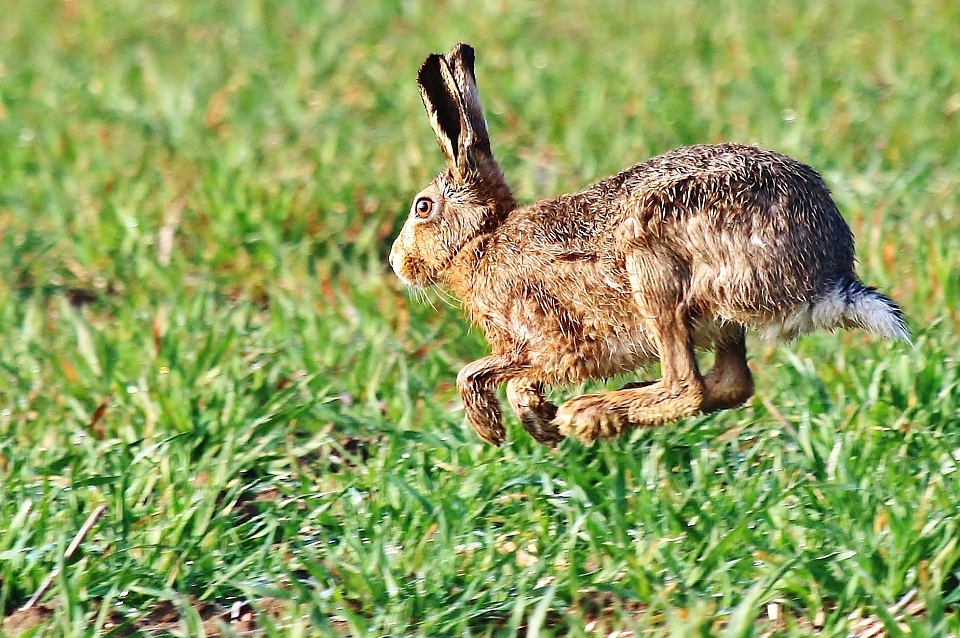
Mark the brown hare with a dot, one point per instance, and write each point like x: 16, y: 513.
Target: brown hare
x: 683, y: 251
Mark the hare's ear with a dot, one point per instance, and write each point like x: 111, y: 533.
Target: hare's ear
x: 474, y: 140
x: 449, y: 91
x: 439, y: 95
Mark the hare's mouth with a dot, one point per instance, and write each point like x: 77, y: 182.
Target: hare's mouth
x: 407, y: 282
x: 409, y: 269
x: 396, y: 263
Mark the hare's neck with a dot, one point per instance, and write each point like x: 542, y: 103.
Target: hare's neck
x: 478, y: 282
x: 491, y: 187
x: 466, y: 271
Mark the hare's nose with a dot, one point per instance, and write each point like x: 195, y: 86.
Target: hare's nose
x: 393, y: 256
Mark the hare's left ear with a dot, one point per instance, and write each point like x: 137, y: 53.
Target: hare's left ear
x: 449, y: 91
x: 439, y: 98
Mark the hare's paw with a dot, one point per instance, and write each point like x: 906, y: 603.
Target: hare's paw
x: 589, y: 418
x: 483, y: 415
x: 490, y: 430
x: 536, y: 413
x: 543, y: 431
x: 595, y: 416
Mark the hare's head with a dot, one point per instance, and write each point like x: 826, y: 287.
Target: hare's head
x: 470, y: 197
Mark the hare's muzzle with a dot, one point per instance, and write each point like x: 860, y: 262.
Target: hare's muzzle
x: 393, y: 256
x: 396, y: 260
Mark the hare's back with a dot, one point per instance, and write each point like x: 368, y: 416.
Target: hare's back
x: 758, y: 230
x: 720, y: 179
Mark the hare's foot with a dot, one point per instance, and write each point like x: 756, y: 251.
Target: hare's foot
x: 594, y: 416
x: 477, y: 383
x: 535, y: 411
x: 730, y: 383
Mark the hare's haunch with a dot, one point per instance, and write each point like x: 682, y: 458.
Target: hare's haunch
x: 683, y: 251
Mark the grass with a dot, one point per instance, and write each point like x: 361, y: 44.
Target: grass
x: 198, y: 328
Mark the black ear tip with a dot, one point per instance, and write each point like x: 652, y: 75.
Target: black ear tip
x: 464, y: 52
x: 430, y: 67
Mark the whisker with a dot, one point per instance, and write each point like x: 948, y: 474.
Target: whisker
x: 447, y: 298
x: 423, y: 296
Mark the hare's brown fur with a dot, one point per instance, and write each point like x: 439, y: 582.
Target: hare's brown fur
x: 681, y: 252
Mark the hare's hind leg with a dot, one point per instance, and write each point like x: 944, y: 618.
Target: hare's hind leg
x: 679, y: 393
x: 536, y: 413
x: 730, y: 383
x: 658, y: 283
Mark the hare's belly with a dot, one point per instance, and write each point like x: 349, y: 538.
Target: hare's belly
x: 565, y: 352
x: 587, y: 328
x: 592, y: 358
x: 595, y: 354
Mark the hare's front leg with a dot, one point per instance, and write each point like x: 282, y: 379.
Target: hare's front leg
x: 536, y: 413
x: 477, y: 383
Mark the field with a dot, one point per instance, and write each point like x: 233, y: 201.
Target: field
x: 200, y: 333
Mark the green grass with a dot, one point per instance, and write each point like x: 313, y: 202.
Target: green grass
x: 198, y: 328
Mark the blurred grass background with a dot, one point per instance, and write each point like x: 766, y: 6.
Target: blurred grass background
x: 198, y: 327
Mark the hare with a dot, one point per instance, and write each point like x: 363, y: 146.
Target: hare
x: 682, y: 252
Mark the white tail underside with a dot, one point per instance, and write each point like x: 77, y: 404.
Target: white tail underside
x: 849, y: 304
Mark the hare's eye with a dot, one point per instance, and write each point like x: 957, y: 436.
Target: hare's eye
x: 423, y: 207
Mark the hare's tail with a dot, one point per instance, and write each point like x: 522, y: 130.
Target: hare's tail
x: 847, y: 304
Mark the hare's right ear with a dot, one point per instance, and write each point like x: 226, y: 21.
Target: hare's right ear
x: 449, y: 91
